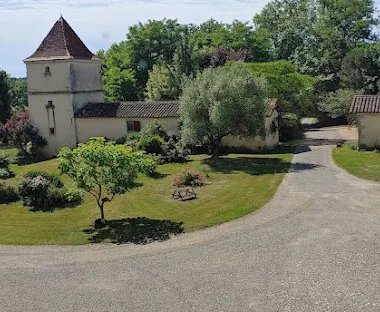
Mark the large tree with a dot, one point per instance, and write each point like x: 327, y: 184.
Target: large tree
x: 104, y: 169
x: 294, y: 90
x: 316, y: 35
x: 361, y: 67
x: 5, y: 97
x: 221, y: 102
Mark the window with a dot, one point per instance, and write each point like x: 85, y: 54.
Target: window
x: 133, y: 126
x: 47, y: 71
x: 51, y: 117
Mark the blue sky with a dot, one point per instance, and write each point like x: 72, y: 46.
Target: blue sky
x: 99, y: 23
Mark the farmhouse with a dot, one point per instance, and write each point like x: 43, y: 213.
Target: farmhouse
x: 66, y: 100
x: 366, y: 109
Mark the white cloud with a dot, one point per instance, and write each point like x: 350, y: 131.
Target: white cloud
x: 24, y: 23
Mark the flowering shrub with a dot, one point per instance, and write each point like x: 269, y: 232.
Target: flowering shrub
x: 188, y: 177
x: 40, y: 193
x: 53, y: 179
x: 33, y: 191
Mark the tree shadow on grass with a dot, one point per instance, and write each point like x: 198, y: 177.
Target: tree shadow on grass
x: 138, y: 231
x: 250, y: 165
x: 255, y: 165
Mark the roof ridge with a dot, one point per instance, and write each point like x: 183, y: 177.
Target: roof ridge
x: 62, y: 20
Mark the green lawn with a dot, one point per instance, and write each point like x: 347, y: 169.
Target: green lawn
x: 363, y: 164
x: 237, y: 184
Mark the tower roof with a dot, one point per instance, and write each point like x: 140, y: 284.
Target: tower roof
x: 61, y: 43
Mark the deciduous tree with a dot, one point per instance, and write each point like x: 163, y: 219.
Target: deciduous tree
x: 104, y: 169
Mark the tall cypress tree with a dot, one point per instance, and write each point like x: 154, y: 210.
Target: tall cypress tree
x: 5, y: 99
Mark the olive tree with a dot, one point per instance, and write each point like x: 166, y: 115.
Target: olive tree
x: 104, y: 169
x: 221, y: 102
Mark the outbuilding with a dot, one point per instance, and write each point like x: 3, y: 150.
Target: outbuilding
x: 366, y: 109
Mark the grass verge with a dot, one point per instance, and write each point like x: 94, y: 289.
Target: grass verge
x: 362, y: 164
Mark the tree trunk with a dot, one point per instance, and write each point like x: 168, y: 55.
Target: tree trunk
x: 102, y: 219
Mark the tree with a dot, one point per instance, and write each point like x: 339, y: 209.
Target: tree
x: 288, y: 21
x: 361, y: 67
x: 336, y: 104
x: 18, y: 94
x: 119, y: 85
x: 5, y: 99
x: 163, y: 84
x: 104, y: 169
x: 294, y: 90
x: 221, y: 102
x: 23, y: 135
x: 152, y: 43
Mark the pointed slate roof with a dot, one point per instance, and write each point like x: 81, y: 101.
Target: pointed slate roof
x: 61, y: 43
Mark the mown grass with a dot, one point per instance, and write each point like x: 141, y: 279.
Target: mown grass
x: 237, y: 184
x: 363, y: 164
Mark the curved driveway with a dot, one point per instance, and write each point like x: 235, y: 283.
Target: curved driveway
x: 314, y: 247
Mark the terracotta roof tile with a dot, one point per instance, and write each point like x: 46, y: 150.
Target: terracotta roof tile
x: 365, y: 104
x: 61, y: 43
x: 130, y: 110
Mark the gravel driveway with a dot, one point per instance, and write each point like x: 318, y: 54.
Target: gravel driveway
x: 314, y: 247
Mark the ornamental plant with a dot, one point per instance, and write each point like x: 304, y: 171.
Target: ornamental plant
x: 104, y: 169
x: 188, y: 177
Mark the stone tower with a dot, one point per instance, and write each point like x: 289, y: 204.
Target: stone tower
x: 63, y: 76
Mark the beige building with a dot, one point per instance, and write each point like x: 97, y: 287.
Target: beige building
x: 366, y: 109
x: 66, y: 101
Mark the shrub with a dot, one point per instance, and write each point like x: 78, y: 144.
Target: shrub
x: 8, y: 194
x: 5, y: 160
x: 154, y: 128
x: 52, y: 178
x: 187, y: 177
x: 74, y: 196
x: 4, y: 173
x: 152, y: 144
x: 23, y: 135
x: 33, y: 191
x: 129, y: 138
x: 40, y: 193
x: 290, y: 127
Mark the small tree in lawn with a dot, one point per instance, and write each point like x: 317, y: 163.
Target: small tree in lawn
x: 221, y: 102
x: 104, y: 169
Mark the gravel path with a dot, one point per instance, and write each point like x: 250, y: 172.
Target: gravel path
x: 314, y: 247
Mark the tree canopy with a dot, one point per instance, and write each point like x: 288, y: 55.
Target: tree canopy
x: 221, y: 102
x: 5, y: 97
x: 104, y: 169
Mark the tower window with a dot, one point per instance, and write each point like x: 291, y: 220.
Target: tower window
x: 51, y: 117
x: 47, y: 71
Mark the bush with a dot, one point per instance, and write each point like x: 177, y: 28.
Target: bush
x: 5, y: 160
x: 33, y: 191
x: 74, y: 196
x: 52, y: 178
x: 129, y: 138
x: 23, y: 135
x: 40, y: 193
x: 290, y: 127
x: 154, y: 128
x: 152, y: 144
x: 5, y: 173
x: 187, y: 177
x: 8, y: 194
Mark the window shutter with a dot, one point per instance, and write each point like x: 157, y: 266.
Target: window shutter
x: 136, y: 126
